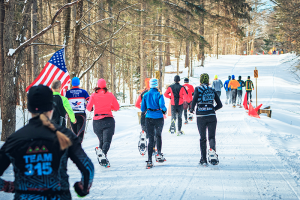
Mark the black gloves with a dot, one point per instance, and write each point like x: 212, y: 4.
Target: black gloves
x: 164, y: 112
x: 8, y: 187
x: 78, y: 187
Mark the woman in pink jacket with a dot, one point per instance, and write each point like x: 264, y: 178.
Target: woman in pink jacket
x: 103, y: 122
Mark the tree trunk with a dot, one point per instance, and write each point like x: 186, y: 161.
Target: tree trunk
x: 142, y: 67
x: 76, y: 45
x: 112, y: 57
x: 8, y: 93
x: 192, y: 60
x: 34, y: 48
x: 202, y: 34
x: 160, y: 59
x: 2, y: 15
x: 187, y: 61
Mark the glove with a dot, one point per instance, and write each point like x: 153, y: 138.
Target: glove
x: 8, y: 187
x: 164, y: 112
x: 78, y: 187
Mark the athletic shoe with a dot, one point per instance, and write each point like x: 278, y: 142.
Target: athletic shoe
x: 149, y: 164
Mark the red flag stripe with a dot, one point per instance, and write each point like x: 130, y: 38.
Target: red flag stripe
x: 40, y: 75
x: 47, y: 74
x: 53, y: 76
x: 65, y: 81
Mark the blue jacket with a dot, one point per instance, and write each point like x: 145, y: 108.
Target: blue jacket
x: 226, y: 85
x: 155, y: 101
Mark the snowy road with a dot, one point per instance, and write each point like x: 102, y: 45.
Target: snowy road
x: 259, y: 158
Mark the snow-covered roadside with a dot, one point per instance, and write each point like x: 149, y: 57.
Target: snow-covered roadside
x: 259, y: 158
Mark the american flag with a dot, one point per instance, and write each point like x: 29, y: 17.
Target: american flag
x: 55, y: 69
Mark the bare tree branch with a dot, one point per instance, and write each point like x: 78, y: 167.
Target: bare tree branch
x: 53, y: 23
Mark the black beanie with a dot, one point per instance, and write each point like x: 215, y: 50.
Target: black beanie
x: 229, y: 77
x: 177, y: 78
x: 186, y: 80
x: 240, y: 77
x: 248, y: 77
x: 39, y: 99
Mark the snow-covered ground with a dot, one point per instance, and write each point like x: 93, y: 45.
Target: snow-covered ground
x: 259, y: 158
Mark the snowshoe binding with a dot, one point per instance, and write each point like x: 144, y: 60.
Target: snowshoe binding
x: 142, y: 145
x: 213, y: 157
x: 180, y: 133
x: 160, y: 158
x: 203, y: 162
x: 103, y: 161
x: 191, y: 117
x: 149, y: 164
x: 172, y: 127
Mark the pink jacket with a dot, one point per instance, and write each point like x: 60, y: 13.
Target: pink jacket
x: 103, y: 104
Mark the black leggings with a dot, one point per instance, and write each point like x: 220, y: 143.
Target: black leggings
x: 185, y: 110
x: 208, y: 123
x: 79, y: 127
x: 154, y: 128
x: 104, y: 129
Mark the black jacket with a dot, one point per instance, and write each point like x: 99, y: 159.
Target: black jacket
x: 204, y: 97
x: 40, y: 167
x: 59, y: 110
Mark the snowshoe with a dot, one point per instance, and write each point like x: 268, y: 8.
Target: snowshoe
x: 103, y: 161
x: 191, y: 117
x: 142, y: 145
x: 203, y: 162
x: 180, y: 133
x: 213, y: 157
x: 160, y: 158
x: 149, y: 164
x: 172, y: 127
x: 186, y: 122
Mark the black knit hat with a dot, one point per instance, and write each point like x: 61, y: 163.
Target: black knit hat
x: 204, y: 78
x: 229, y: 77
x: 39, y: 99
x: 186, y: 80
x: 240, y: 77
x: 248, y: 77
x: 177, y: 78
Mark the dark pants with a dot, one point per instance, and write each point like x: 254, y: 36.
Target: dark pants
x: 177, y: 110
x: 154, y: 128
x: 234, y: 94
x: 249, y: 95
x: 208, y: 123
x: 189, y: 106
x: 239, y: 97
x: 79, y: 127
x: 104, y: 129
x: 218, y: 93
x: 143, y: 121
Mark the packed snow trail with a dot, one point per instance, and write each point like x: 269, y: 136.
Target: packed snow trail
x: 259, y: 158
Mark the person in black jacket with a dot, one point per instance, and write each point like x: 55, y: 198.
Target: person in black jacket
x: 39, y: 154
x: 204, y: 97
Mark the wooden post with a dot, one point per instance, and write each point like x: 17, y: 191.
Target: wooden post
x: 256, y: 76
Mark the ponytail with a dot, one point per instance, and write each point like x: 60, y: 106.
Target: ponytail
x: 97, y: 88
x: 63, y: 140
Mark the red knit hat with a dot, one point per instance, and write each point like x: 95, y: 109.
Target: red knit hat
x: 101, y: 83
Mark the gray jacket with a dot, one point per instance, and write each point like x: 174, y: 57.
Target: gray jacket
x: 217, y: 85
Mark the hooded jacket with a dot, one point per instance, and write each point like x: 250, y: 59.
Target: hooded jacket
x: 233, y: 84
x: 176, y: 93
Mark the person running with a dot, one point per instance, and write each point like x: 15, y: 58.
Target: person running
x: 176, y: 93
x: 240, y: 91
x: 189, y: 98
x: 228, y: 91
x: 249, y: 87
x: 154, y: 104
x: 233, y: 85
x: 39, y: 153
x: 139, y: 102
x: 204, y: 97
x: 61, y: 106
x: 103, y: 121
x: 78, y: 99
x: 217, y: 85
